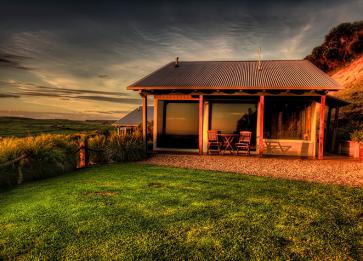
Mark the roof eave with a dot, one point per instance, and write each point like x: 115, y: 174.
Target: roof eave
x: 186, y: 88
x: 331, y: 99
x: 124, y: 125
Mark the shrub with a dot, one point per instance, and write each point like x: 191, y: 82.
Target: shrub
x: 49, y: 155
x: 116, y: 148
x: 97, y: 145
x: 357, y: 136
x: 39, y: 157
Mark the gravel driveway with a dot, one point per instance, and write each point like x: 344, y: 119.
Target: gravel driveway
x: 332, y: 171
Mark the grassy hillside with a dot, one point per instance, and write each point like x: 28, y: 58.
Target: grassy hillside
x: 341, y: 56
x: 20, y: 127
x: 351, y: 78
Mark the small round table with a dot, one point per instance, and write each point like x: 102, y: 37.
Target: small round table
x: 227, y: 141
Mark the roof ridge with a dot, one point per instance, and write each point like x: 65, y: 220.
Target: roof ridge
x: 264, y: 60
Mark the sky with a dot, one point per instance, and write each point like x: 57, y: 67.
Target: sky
x: 74, y: 59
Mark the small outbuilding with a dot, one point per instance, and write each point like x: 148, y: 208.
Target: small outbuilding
x: 284, y: 103
x: 132, y: 120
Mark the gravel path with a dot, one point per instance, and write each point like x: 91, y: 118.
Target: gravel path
x: 332, y: 171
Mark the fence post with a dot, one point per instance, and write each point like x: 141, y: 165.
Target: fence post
x: 83, y: 153
x: 86, y: 151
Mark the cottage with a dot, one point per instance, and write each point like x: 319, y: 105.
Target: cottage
x: 283, y: 103
x: 132, y: 120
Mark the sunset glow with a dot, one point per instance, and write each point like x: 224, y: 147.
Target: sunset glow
x: 66, y: 60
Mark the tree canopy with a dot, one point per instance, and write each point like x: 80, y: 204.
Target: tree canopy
x: 342, y: 44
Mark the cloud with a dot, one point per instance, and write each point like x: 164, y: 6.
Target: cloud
x: 58, y: 115
x: 111, y: 99
x: 5, y: 95
x: 107, y: 112
x: 30, y: 89
x: 104, y: 76
x: 293, y: 45
x: 60, y: 90
x: 13, y: 61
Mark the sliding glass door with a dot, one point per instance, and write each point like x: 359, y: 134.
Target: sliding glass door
x: 178, y: 125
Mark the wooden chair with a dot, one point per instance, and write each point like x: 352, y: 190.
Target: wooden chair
x: 244, y: 143
x: 214, y: 145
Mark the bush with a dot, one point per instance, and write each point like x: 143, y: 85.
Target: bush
x: 43, y: 156
x: 39, y: 157
x: 357, y: 136
x: 116, y: 148
x: 342, y: 44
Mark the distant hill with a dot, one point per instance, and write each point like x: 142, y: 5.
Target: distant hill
x: 20, y: 127
x: 351, y: 78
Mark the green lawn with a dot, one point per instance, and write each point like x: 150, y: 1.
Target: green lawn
x: 127, y: 211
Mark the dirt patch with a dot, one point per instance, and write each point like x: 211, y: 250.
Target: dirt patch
x: 330, y: 171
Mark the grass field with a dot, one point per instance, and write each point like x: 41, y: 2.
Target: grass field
x: 135, y: 211
x: 20, y: 127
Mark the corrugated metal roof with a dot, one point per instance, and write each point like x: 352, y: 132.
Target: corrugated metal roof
x: 273, y: 74
x: 134, y: 118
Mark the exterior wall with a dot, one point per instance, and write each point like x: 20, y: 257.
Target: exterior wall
x: 289, y: 147
x: 349, y: 148
x: 305, y: 148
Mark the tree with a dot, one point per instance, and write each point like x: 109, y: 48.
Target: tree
x: 342, y: 44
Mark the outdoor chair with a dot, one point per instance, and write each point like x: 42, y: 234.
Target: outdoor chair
x: 244, y: 142
x: 214, y: 145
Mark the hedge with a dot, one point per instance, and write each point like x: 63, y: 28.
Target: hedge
x: 38, y: 157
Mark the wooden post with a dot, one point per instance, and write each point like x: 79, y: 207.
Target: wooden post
x: 308, y: 122
x: 163, y: 130
x: 86, y: 150
x: 155, y: 124
x: 200, y: 124
x: 321, y: 127
x: 335, y: 128
x: 82, y: 154
x: 144, y: 120
x: 261, y: 108
x: 328, y: 130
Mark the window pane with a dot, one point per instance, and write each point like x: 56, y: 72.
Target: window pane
x: 233, y: 117
x: 178, y: 125
x: 181, y: 119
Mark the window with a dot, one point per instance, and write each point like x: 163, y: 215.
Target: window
x: 287, y: 120
x: 178, y: 125
x: 181, y: 119
x: 233, y: 117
